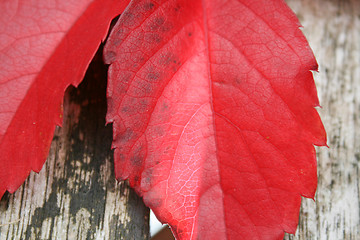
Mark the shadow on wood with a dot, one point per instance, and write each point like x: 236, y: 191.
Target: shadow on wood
x: 164, y: 234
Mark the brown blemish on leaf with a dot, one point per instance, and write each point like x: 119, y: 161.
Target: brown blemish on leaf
x: 127, y: 135
x: 177, y: 8
x: 155, y: 24
x: 128, y: 19
x: 160, y: 131
x: 164, y: 107
x: 144, y: 104
x: 121, y: 157
x: 149, y: 6
x: 167, y: 26
x: 109, y: 57
x: 152, y: 76
x: 138, y: 156
x: 146, y: 179
x: 125, y: 109
x: 159, y: 20
x: 153, y: 37
x: 156, y: 202
x: 169, y: 58
x: 137, y: 160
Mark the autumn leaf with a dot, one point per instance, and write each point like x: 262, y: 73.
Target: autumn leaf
x: 212, y: 105
x: 44, y: 47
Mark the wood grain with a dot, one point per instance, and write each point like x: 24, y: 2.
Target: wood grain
x: 332, y: 28
x: 75, y: 195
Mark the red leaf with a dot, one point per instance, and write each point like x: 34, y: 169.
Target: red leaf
x: 44, y: 47
x: 213, y: 111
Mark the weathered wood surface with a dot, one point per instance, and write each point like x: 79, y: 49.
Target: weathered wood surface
x: 75, y: 196
x: 333, y: 30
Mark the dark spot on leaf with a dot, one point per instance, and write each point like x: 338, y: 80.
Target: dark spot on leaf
x: 159, y: 20
x: 121, y: 157
x: 147, y: 90
x: 169, y: 59
x: 128, y: 19
x: 164, y: 107
x: 156, y: 23
x: 146, y: 179
x: 125, y: 109
x: 127, y: 135
x: 117, y: 41
x: 153, y: 76
x: 118, y: 37
x: 124, y: 78
x: 160, y: 131
x: 166, y: 27
x: 137, y: 160
x: 109, y: 57
x: 148, y: 6
x: 144, y: 104
x: 189, y: 34
x: 167, y: 149
x: 153, y: 37
x: 156, y: 202
x: 177, y: 8
x: 138, y: 156
x: 175, y: 69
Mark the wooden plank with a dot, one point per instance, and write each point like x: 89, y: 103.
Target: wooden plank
x: 333, y: 30
x: 75, y: 195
